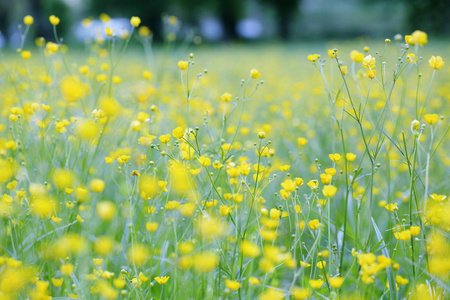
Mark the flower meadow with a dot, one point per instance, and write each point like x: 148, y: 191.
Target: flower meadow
x: 234, y: 172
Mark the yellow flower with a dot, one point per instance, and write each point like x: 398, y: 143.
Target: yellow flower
x: 226, y: 97
x: 335, y: 157
x: 87, y: 129
x: 97, y: 185
x: 321, y: 264
x: 313, y: 57
x: 417, y: 37
x: 28, y: 20
x: 51, y: 47
x: 104, y: 245
x: 106, y: 210
x: 336, y: 282
x: 350, y: 156
x: 401, y: 280
x: 232, y: 284
x: 249, y: 249
x: 67, y: 269
x: 178, y: 132
x: 316, y: 284
x: 204, y: 161
x: 313, y: 184
x: 301, y: 141
x: 54, y: 20
x: 151, y: 226
x: 97, y: 261
x: 371, y: 73
x: 415, y: 125
x: 329, y: 191
x: 109, y: 31
x: 205, y: 261
x: 415, y: 230
x: 369, y: 62
x: 300, y: 293
x: 57, y: 282
x: 25, y: 54
x: 356, y: 56
x: 305, y: 264
x: 332, y: 53
x: 285, y: 168
x: 254, y: 280
x: 431, y: 118
x: 438, y: 198
x: 254, y: 73
x: 436, y: 62
x: 165, y: 138
x: 183, y: 65
x: 404, y: 235
x: 135, y: 21
x: 411, y: 58
x: 138, y: 254
x: 391, y: 207
x: 162, y: 279
x: 313, y: 224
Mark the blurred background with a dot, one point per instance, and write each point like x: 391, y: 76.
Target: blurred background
x: 214, y: 21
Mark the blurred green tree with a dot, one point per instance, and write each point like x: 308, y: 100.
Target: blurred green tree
x: 285, y: 11
x: 431, y: 16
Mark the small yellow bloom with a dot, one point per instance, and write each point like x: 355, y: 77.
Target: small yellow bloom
x: 301, y: 141
x: 431, y: 118
x: 28, y: 20
x: 165, y: 138
x: 135, y: 21
x: 162, y: 279
x: 411, y: 58
x: 254, y: 73
x: 151, y: 226
x: 57, y: 282
x: 109, y: 31
x: 335, y: 157
x: 97, y: 185
x: 106, y: 210
x: 332, y: 53
x: 54, y: 20
x: 316, y: 284
x: 391, y: 207
x: 321, y: 264
x: 305, y: 264
x: 232, y: 284
x: 415, y: 125
x: 314, y: 224
x: 178, y: 132
x: 369, y: 62
x: 350, y: 156
x: 249, y: 249
x: 183, y: 65
x: 67, y: 269
x: 313, y: 57
x: 300, y: 293
x: 401, y: 280
x: 415, y: 230
x: 226, y: 97
x: 356, y: 56
x: 336, y: 282
x: 436, y: 62
x: 329, y: 191
x: 25, y: 54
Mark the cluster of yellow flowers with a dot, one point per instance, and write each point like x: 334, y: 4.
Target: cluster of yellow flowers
x: 125, y: 182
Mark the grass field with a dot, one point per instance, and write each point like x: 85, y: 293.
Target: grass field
x: 233, y: 172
